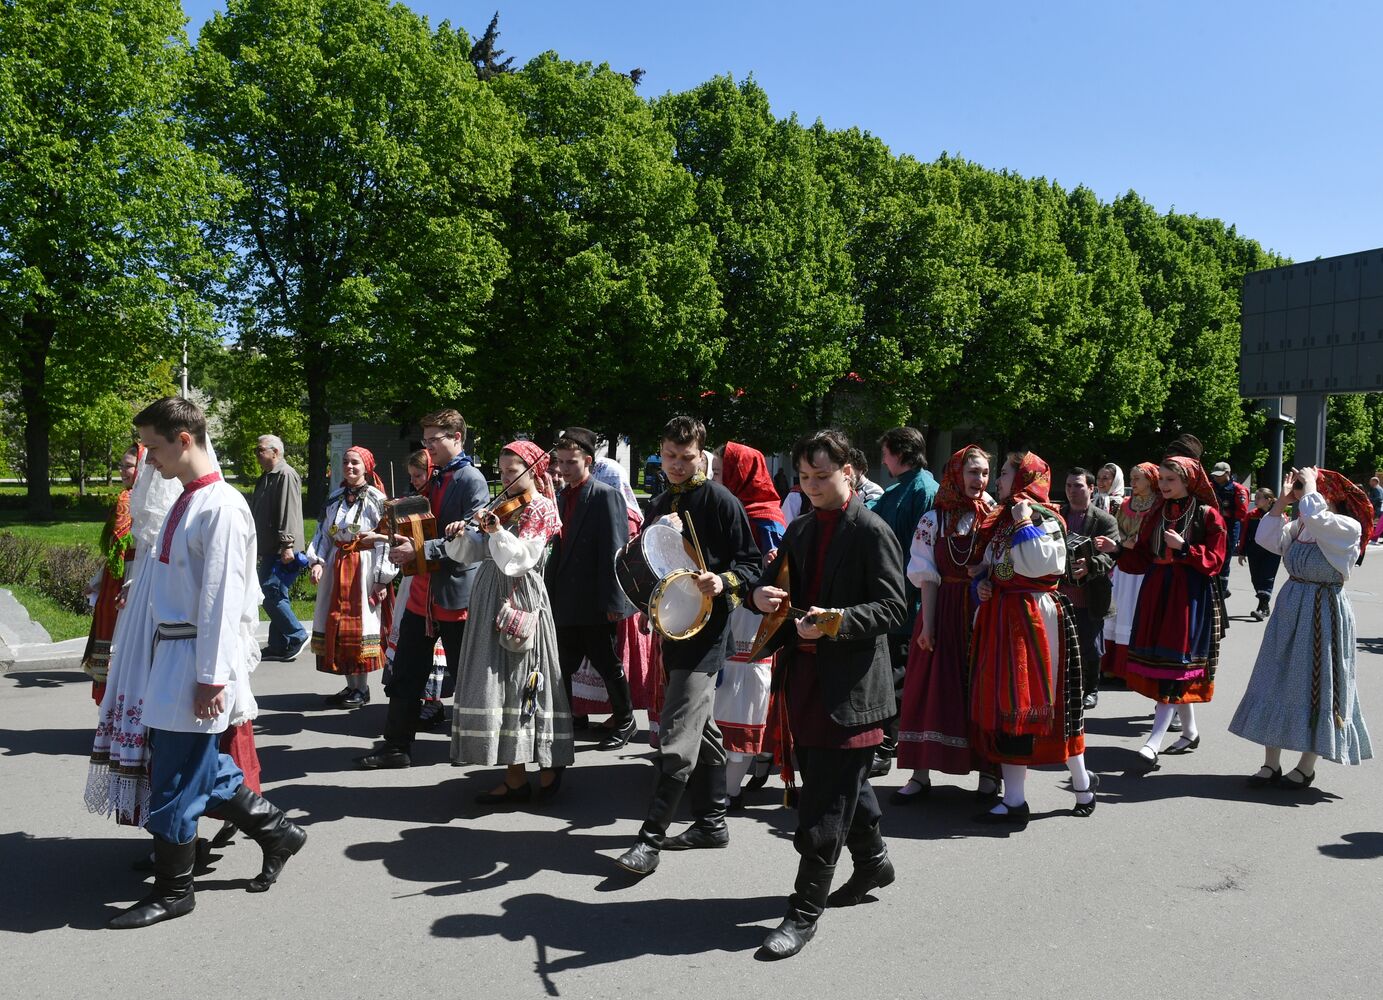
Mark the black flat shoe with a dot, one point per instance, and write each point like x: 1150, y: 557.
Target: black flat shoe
x: 339, y: 699
x: 1012, y: 815
x: 510, y: 795
x: 904, y: 798
x: 384, y: 760
x: 1146, y: 765
x: 1264, y: 780
x: 989, y: 794
x: 1175, y: 727
x: 1091, y: 701
x: 1084, y: 809
x: 620, y: 736
x: 1182, y: 746
x: 549, y: 791
x: 758, y: 773
x: 1287, y: 784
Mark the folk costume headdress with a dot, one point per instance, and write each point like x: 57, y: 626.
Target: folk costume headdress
x: 538, y: 460
x: 1032, y: 481
x: 1197, y: 482
x: 367, y: 459
x: 951, y: 497
x: 744, y: 472
x: 1148, y: 469
x: 1337, y: 489
x: 612, y: 474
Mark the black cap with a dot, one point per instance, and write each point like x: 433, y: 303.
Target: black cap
x: 579, y: 437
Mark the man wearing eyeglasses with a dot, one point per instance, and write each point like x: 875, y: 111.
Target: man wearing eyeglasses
x: 438, y: 600
x: 277, y: 506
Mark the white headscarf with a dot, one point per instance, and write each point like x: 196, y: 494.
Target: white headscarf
x: 1115, y: 496
x: 611, y: 473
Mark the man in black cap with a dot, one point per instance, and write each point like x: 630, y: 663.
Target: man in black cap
x: 1233, y: 499
x: 587, y: 603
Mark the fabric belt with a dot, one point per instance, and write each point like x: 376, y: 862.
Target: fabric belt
x: 955, y: 579
x: 1313, y: 583
x: 165, y: 631
x: 806, y: 647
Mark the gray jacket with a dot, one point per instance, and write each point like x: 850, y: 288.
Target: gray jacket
x: 451, y: 583
x: 277, y: 506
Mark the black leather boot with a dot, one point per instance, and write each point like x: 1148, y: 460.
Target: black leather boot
x: 873, y: 870
x: 622, y: 709
x: 710, y: 800
x: 642, y: 858
x: 805, y: 906
x: 267, y: 826
x: 172, y: 895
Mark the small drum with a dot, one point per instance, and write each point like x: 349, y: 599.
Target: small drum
x: 656, y: 572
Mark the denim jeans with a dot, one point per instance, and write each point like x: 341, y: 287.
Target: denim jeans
x: 285, y: 631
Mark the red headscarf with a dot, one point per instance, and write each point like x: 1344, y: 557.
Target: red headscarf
x: 1032, y: 481
x: 744, y: 472
x: 1197, y: 482
x: 951, y: 496
x: 1338, y: 489
x: 367, y: 459
x: 1148, y: 469
x: 538, y: 459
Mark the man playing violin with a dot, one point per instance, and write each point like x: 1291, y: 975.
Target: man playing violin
x: 843, y: 563
x: 587, y: 602
x: 691, y: 755
x: 437, y: 601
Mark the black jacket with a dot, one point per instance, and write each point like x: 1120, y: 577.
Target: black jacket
x: 580, y: 573
x: 451, y: 583
x: 1099, y: 589
x: 728, y: 544
x: 863, y: 577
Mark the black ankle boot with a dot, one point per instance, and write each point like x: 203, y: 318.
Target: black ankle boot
x: 642, y: 858
x: 172, y: 895
x: 267, y: 826
x: 710, y: 801
x: 873, y: 870
x: 805, y: 906
x: 622, y: 711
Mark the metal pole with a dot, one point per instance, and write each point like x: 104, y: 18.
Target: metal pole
x: 184, y: 368
x: 1310, y: 430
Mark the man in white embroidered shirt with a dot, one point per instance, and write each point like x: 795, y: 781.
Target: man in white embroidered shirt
x: 203, y: 607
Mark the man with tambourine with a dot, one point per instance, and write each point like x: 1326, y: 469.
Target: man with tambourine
x: 691, y: 753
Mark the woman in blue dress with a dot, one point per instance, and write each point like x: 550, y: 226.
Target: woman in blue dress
x: 1302, y: 695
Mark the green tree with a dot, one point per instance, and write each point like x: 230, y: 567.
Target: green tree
x: 609, y: 285
x: 369, y: 159
x: 780, y: 261
x: 101, y: 254
x: 1351, y: 435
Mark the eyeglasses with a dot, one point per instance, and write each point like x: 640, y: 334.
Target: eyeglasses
x: 437, y: 437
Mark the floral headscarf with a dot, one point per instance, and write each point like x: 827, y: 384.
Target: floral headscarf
x: 1338, y: 489
x: 538, y: 459
x: 612, y: 474
x: 1148, y: 469
x: 744, y: 472
x: 951, y: 495
x: 1032, y: 481
x: 1197, y: 482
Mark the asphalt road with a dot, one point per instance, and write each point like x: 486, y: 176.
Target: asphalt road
x: 1184, y: 883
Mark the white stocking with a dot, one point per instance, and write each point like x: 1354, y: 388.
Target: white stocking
x: 1162, y: 718
x: 358, y: 682
x: 1187, y: 715
x: 1080, y: 777
x: 735, y: 769
x: 1015, y: 775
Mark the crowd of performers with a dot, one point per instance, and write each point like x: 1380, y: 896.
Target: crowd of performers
x: 962, y: 625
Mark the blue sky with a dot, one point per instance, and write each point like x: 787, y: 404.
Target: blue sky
x: 1264, y: 114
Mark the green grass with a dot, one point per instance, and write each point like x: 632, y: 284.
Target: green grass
x: 60, y: 623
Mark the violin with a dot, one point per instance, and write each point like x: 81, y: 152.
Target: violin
x: 506, y: 509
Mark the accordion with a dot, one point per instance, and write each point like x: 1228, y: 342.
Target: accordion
x: 1078, y: 547
x: 412, y: 518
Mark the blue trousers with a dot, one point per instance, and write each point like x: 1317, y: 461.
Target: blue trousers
x: 285, y: 631
x: 1231, y: 546
x: 188, y: 777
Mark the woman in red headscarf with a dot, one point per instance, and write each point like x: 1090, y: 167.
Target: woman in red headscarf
x: 1025, y: 697
x: 117, y: 548
x: 1178, y: 621
x: 934, y: 718
x: 1302, y: 695
x: 351, y: 616
x: 511, y: 705
x: 1126, y: 582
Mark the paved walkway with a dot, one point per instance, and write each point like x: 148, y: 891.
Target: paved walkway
x: 1183, y: 884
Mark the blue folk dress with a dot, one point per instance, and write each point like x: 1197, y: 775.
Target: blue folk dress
x: 1302, y: 695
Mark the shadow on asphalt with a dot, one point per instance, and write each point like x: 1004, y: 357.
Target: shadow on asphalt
x: 609, y: 932
x: 1370, y: 645
x: 1356, y: 847
x: 50, y: 742
x: 55, y: 882
x: 48, y: 679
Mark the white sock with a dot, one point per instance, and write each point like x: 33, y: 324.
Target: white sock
x: 1272, y: 758
x: 1015, y: 776
x: 1162, y: 718
x: 735, y: 770
x: 1080, y: 777
x: 1307, y: 764
x: 358, y: 682
x: 1187, y: 715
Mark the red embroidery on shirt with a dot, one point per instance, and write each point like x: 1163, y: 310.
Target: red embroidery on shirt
x: 179, y: 509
